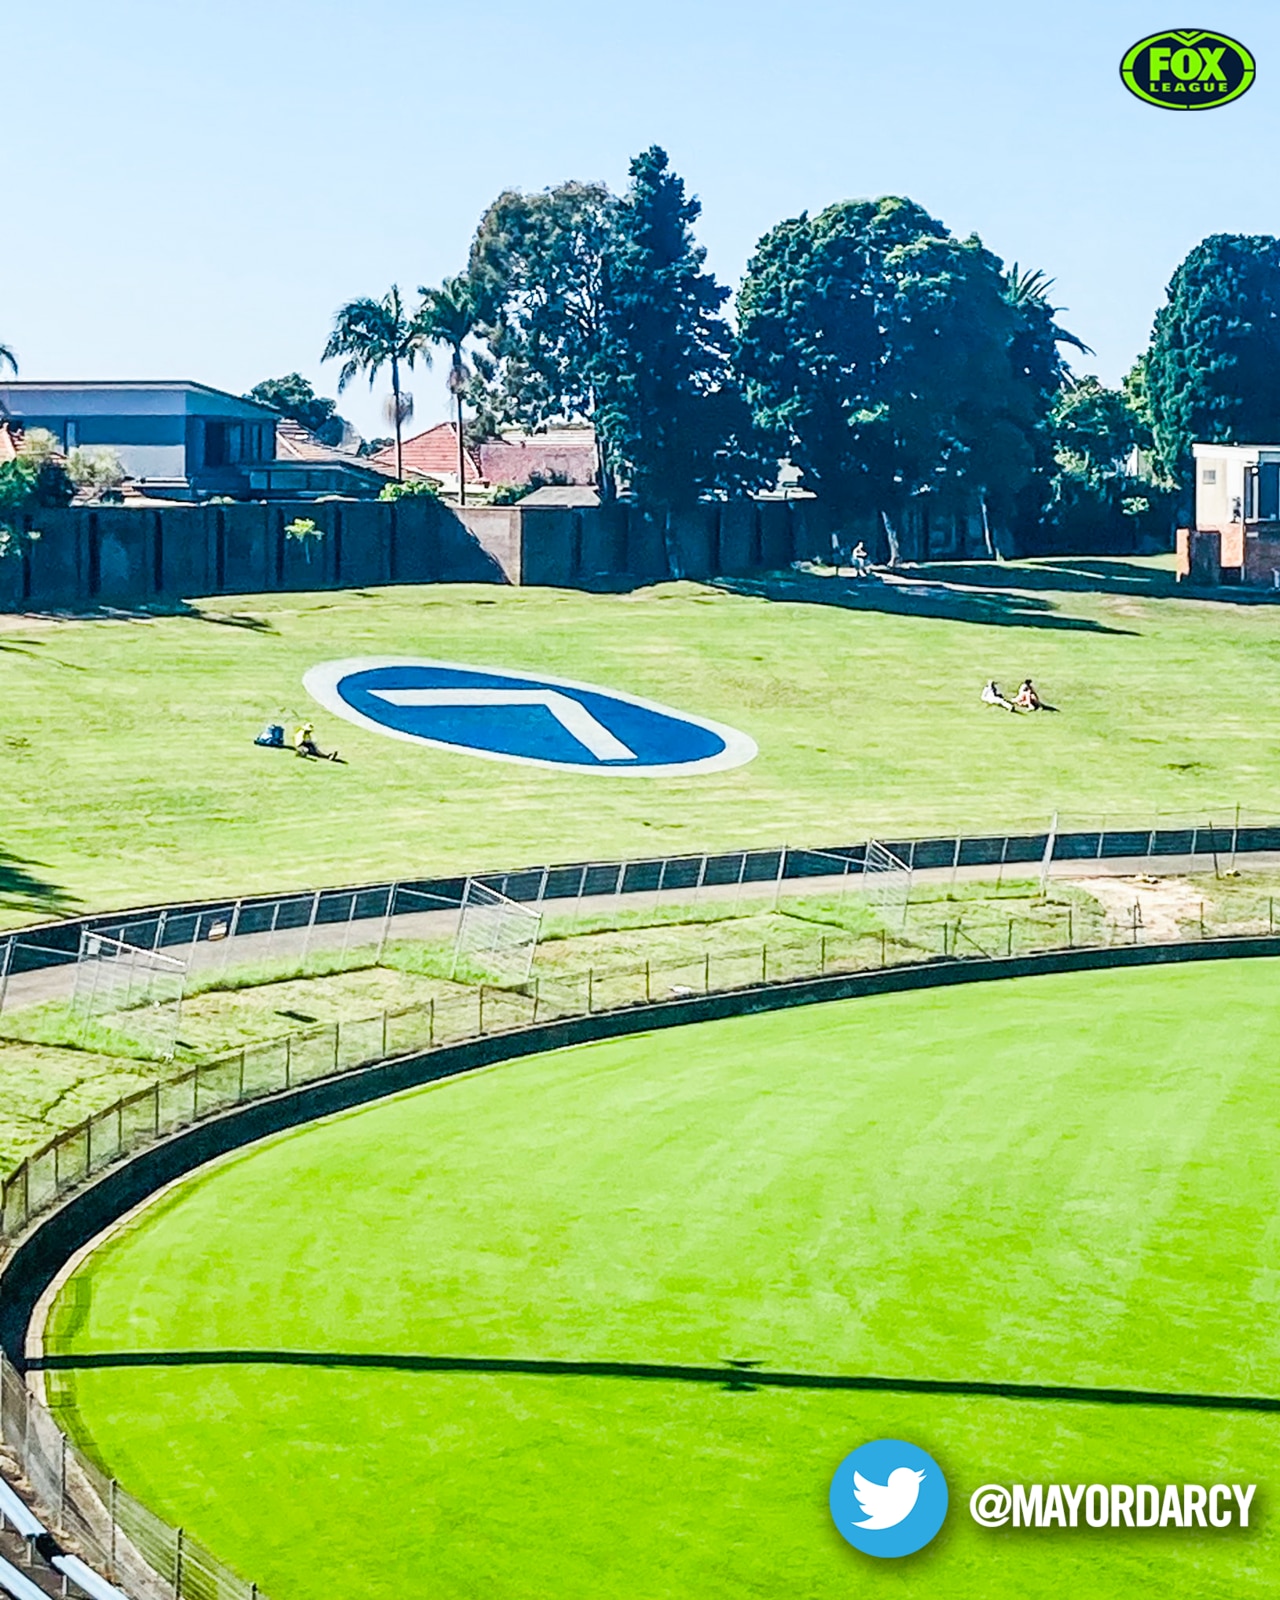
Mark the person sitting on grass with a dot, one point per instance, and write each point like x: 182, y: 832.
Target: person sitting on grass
x: 305, y: 745
x: 991, y: 696
x: 1027, y: 699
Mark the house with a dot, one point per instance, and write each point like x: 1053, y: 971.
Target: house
x: 305, y: 469
x: 560, y: 455
x: 176, y: 440
x: 1236, y: 535
x: 432, y: 454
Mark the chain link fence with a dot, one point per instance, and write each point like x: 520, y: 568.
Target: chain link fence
x: 113, y: 1531
x: 97, y: 1519
x: 934, y: 931
x: 334, y: 924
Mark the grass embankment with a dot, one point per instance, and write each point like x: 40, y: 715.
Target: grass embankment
x: 372, y: 1324
x: 59, y: 1071
x: 129, y: 774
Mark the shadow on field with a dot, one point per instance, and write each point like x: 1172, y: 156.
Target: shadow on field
x: 911, y: 596
x: 22, y: 889
x: 1089, y: 575
x: 737, y: 1375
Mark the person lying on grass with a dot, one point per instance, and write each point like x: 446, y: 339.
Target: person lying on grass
x: 991, y: 696
x: 305, y: 745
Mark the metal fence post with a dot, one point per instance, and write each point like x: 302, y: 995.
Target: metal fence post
x: 431, y: 1022
x: 337, y: 1042
x: 764, y: 963
x: 4, y: 970
x: 822, y: 956
x: 384, y: 1033
x: 311, y: 922
x: 288, y: 1060
x: 591, y: 989
x: 62, y: 1480
x: 480, y: 1011
x: 177, y: 1565
x: 240, y: 1090
x: 648, y: 986
x: 112, y: 1491
x: 386, y: 925
x: 706, y: 973
x: 883, y: 948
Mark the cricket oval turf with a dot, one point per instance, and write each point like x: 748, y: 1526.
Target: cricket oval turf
x: 496, y: 1336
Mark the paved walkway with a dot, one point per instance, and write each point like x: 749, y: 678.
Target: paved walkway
x: 210, y: 956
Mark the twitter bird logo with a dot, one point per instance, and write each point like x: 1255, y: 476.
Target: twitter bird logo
x: 888, y: 1504
x: 888, y: 1498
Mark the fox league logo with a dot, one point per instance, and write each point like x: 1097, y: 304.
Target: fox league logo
x: 888, y: 1498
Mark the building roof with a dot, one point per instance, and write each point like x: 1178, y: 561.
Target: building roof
x: 562, y: 494
x: 296, y: 443
x: 565, y: 453
x: 433, y: 454
x: 33, y: 388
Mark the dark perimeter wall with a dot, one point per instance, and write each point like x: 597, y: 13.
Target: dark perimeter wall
x: 91, y: 556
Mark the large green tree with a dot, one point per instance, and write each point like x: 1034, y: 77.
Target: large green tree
x: 674, y: 421
x: 539, y: 277
x: 1213, y: 367
x: 293, y: 396
x: 369, y: 335
x: 891, y: 360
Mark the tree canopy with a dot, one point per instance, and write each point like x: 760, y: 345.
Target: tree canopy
x: 1213, y: 368
x: 893, y: 360
x: 293, y: 396
x: 672, y: 416
x: 538, y: 276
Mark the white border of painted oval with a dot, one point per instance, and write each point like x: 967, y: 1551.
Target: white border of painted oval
x: 322, y: 684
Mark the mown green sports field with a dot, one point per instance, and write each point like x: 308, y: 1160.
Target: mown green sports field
x: 128, y: 773
x: 351, y: 1360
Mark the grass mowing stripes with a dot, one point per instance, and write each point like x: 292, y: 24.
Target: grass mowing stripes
x: 1060, y: 1180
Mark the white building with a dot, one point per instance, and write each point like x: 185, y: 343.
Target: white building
x: 1236, y: 484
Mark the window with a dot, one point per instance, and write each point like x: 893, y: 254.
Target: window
x: 71, y: 434
x: 215, y: 444
x: 1268, y: 491
x: 1209, y: 475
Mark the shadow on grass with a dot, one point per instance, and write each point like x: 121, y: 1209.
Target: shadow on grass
x: 918, y: 596
x: 737, y: 1375
x: 23, y: 889
x: 1088, y: 575
x: 151, y: 612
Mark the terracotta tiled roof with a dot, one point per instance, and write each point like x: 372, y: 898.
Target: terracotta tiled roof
x: 567, y: 453
x: 9, y: 440
x: 433, y: 454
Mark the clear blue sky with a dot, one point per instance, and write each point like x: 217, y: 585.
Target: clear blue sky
x: 194, y: 186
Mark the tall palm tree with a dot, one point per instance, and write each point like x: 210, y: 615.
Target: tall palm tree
x: 449, y: 316
x: 372, y: 334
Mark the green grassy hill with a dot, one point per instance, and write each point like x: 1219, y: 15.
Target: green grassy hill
x: 128, y: 772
